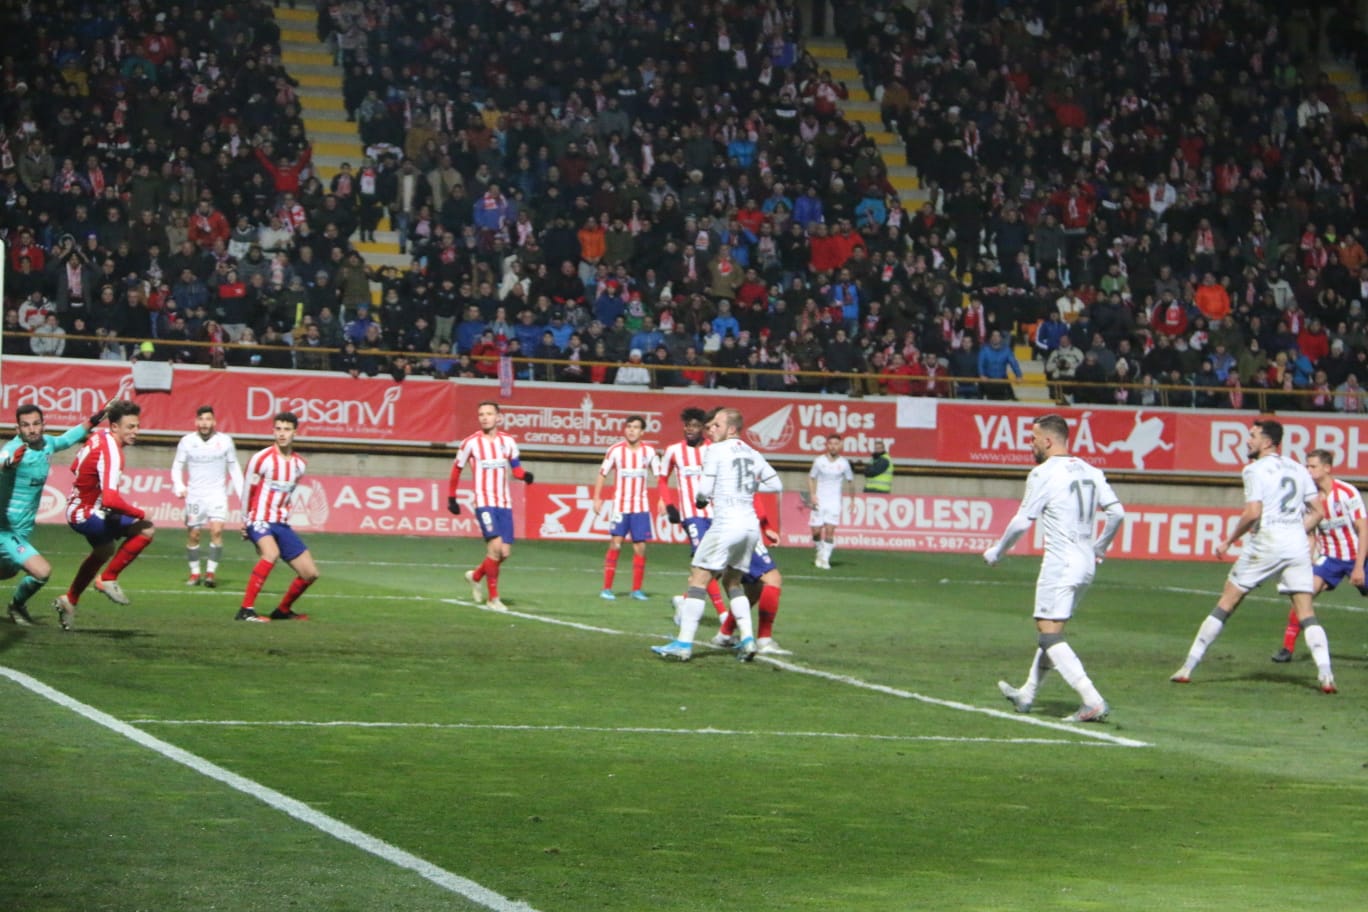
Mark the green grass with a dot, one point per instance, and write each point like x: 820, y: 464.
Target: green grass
x: 568, y: 768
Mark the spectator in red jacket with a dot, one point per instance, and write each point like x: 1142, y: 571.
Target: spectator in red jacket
x: 284, y: 173
x: 208, y: 226
x: 826, y: 252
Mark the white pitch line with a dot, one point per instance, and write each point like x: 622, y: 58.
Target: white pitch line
x: 844, y: 679
x: 333, y: 827
x: 612, y: 730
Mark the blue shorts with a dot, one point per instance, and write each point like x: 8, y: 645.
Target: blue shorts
x: 696, y: 527
x: 761, y: 562
x: 14, y: 551
x: 101, y: 530
x: 1335, y: 571
x: 636, y: 526
x: 289, y: 543
x: 496, y: 522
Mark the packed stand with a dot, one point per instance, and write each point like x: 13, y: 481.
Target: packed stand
x: 669, y: 194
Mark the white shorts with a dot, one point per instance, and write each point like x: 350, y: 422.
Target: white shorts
x: 726, y: 546
x: 202, y: 510
x: 1286, y: 557
x: 1059, y: 589
x: 826, y: 513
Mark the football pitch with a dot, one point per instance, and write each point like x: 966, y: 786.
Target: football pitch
x: 408, y: 750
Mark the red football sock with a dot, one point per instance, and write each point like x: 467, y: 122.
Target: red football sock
x: 610, y: 567
x: 491, y: 572
x: 1293, y: 629
x: 638, y: 570
x: 768, y: 608
x: 294, y: 592
x: 256, y: 581
x: 84, y: 574
x: 715, y: 593
x: 480, y: 571
x: 130, y: 549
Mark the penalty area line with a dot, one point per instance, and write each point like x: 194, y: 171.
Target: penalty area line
x: 453, y: 883
x: 603, y: 729
x: 1075, y: 730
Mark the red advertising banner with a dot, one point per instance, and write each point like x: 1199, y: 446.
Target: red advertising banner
x: 580, y: 418
x: 562, y: 512
x: 970, y: 525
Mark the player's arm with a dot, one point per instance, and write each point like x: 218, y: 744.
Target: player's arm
x: 73, y: 436
x: 1249, y: 518
x: 515, y: 463
x: 454, y: 481
x: 1113, y: 513
x: 178, y: 470
x: 1357, y: 576
x: 596, y: 499
x: 235, y: 482
x: 1031, y: 505
x: 12, y: 454
x: 767, y: 529
x: 110, y: 470
x: 768, y: 480
x: 812, y: 486
x: 707, y: 482
x: 666, y: 494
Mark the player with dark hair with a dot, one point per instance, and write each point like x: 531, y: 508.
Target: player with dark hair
x: 204, y: 472
x: 97, y: 510
x: 25, y: 463
x: 1282, y: 507
x: 495, y: 457
x: 684, y: 459
x: 1064, y: 493
x: 273, y: 476
x: 630, y: 461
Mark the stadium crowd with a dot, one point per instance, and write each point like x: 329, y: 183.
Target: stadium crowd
x: 1164, y: 202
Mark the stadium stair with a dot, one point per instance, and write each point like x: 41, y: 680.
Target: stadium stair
x: 1346, y: 80
x: 830, y: 54
x: 335, y: 139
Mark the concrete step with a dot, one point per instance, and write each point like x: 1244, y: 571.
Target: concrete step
x: 864, y: 117
x: 286, y: 14
x: 328, y: 150
x: 330, y: 80
x: 904, y: 183
x: 312, y: 55
x: 859, y: 104
x: 1339, y: 75
x: 845, y: 72
x: 884, y: 138
x: 339, y: 115
x: 297, y: 35
x: 330, y: 130
x: 315, y: 100
x: 307, y: 45
x: 309, y: 73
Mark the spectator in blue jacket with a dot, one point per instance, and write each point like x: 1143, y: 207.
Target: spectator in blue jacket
x: 724, y: 324
x: 609, y: 305
x: 808, y: 208
x: 468, y: 331
x: 1048, y: 334
x: 648, y: 337
x: 994, y: 360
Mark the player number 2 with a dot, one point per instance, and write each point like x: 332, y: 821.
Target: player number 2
x: 1288, y: 488
x: 1085, y: 493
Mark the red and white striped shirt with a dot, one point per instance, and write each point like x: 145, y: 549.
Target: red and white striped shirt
x: 687, y: 464
x: 1336, y: 536
x: 271, y: 481
x: 492, y: 458
x: 630, y: 494
x: 98, y: 468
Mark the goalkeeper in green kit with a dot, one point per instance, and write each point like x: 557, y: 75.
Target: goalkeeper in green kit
x: 24, y: 465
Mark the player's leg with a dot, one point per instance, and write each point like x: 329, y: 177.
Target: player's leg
x: 817, y: 544
x: 215, y: 551
x: 766, y: 603
x: 610, y: 562
x: 639, y: 539
x: 740, y: 611
x: 36, y: 572
x: 296, y: 555
x: 137, y: 536
x: 829, y: 541
x: 1237, y: 585
x: 697, y: 527
x: 102, y: 547
x: 268, y: 552
x: 192, y: 545
x: 1326, y: 578
x: 690, y: 610
x: 1297, y: 580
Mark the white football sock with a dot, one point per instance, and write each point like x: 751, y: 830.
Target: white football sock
x: 1206, y: 635
x: 1066, y: 662
x: 741, y: 611
x: 690, y: 613
x: 1314, y: 635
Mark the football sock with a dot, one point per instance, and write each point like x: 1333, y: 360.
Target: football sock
x: 767, y: 607
x: 256, y: 581
x: 125, y: 556
x: 1290, y: 634
x: 690, y: 613
x: 741, y: 611
x: 84, y: 574
x: 292, y: 594
x: 715, y: 593
x: 1211, y: 628
x: 728, y: 625
x: 638, y: 571
x: 491, y: 574
x: 830, y: 550
x: 480, y: 571
x: 193, y: 559
x: 215, y: 555
x: 26, y: 589
x: 1316, y: 641
x: 610, y: 567
x: 1066, y: 662
x: 1040, y: 666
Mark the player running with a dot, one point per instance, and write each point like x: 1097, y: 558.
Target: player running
x: 630, y: 461
x: 209, y: 458
x: 24, y: 465
x: 273, y: 476
x: 97, y: 510
x: 494, y: 456
x: 1338, y: 540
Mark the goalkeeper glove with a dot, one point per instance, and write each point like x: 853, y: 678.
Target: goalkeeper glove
x: 16, y: 457
x: 701, y: 501
x: 453, y: 506
x: 672, y: 514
